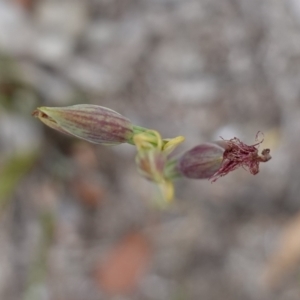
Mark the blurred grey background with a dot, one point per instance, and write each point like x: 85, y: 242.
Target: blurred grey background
x: 77, y: 222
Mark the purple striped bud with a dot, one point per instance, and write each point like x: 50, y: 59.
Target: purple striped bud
x: 96, y: 124
x: 201, y: 162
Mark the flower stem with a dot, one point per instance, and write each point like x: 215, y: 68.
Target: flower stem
x: 171, y: 172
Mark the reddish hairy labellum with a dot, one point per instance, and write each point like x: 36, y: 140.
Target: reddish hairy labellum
x: 238, y: 154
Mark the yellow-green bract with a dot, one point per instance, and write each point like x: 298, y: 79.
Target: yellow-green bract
x: 93, y: 123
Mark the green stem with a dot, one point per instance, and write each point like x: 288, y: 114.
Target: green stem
x: 170, y: 171
x: 136, y: 130
x: 139, y: 129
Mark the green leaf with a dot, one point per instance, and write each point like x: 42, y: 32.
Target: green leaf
x: 12, y: 172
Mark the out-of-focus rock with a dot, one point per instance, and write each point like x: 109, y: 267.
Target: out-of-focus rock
x: 286, y: 258
x: 16, y: 32
x: 56, y: 90
x: 196, y: 91
x: 18, y: 135
x: 52, y: 48
x: 122, y: 270
x: 65, y: 17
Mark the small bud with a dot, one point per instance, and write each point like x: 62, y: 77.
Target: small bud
x: 201, y: 162
x: 151, y: 158
x: 96, y: 124
x: 151, y: 165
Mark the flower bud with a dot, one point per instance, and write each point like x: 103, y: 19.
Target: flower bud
x: 151, y: 164
x: 96, y: 124
x: 201, y: 162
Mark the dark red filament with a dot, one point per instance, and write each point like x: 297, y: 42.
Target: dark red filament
x: 238, y: 154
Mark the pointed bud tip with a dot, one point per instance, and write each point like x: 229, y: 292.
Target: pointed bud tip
x: 35, y: 113
x: 39, y: 113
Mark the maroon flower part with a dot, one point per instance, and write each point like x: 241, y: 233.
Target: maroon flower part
x: 238, y: 154
x: 200, y: 162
